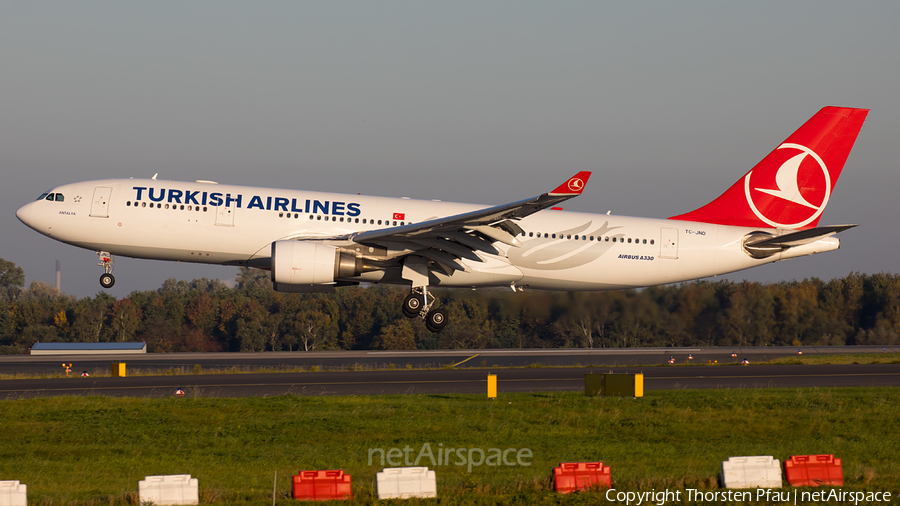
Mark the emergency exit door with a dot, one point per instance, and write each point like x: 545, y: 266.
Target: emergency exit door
x: 225, y: 215
x: 100, y: 202
x: 668, y: 243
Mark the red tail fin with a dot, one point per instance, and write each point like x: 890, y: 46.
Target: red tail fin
x: 791, y: 187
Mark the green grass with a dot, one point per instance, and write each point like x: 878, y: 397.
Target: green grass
x: 855, y: 358
x: 94, y: 450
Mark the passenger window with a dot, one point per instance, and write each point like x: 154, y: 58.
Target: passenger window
x: 395, y: 223
x: 614, y: 239
x: 379, y: 222
x: 645, y: 241
x: 629, y: 240
x: 167, y: 206
x: 357, y: 220
x: 567, y: 237
x: 651, y: 241
x: 319, y: 218
x: 204, y: 209
x: 189, y: 208
x: 530, y: 234
x: 143, y: 204
x: 60, y: 197
x: 129, y: 203
x: 310, y: 216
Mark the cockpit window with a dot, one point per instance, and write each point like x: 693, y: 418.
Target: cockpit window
x: 58, y: 197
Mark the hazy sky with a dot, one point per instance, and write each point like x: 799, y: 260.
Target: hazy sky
x: 669, y: 103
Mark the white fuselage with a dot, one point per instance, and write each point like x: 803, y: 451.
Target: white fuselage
x: 235, y: 225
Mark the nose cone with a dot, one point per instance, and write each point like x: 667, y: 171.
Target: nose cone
x: 24, y: 214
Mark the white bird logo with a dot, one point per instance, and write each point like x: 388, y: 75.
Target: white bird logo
x: 576, y: 184
x: 787, y: 185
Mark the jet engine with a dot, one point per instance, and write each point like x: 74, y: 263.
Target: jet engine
x: 298, y: 265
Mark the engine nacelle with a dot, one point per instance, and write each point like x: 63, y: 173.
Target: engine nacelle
x: 298, y: 265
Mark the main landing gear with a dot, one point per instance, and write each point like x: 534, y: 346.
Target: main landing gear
x: 418, y: 305
x: 107, y: 280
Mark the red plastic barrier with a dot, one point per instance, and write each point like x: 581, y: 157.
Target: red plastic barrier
x: 813, y: 470
x: 322, y: 485
x: 572, y: 476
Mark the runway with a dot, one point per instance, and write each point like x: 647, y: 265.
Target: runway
x: 375, y: 359
x: 450, y: 381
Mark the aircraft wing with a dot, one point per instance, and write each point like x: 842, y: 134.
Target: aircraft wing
x: 444, y: 240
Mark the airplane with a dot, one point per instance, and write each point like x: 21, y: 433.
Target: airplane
x: 315, y: 241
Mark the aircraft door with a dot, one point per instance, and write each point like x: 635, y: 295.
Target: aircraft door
x: 225, y: 215
x: 100, y: 202
x: 668, y: 243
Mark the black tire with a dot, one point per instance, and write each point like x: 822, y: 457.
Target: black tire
x: 436, y: 320
x: 107, y: 280
x: 412, y: 305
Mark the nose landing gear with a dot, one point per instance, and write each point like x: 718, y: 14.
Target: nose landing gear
x: 418, y: 305
x: 107, y: 280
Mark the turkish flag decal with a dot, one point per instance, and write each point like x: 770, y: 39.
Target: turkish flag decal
x: 399, y: 216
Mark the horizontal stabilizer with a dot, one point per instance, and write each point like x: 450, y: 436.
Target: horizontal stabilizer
x: 768, y: 245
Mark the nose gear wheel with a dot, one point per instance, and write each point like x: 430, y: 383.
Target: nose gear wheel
x: 107, y: 280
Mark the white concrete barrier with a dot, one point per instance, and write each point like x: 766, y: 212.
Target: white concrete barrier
x: 762, y: 471
x: 12, y: 493
x: 406, y: 482
x: 169, y: 489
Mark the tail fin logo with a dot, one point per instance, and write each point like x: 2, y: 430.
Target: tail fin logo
x: 576, y: 184
x: 797, y: 184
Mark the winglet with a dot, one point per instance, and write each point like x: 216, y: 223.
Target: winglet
x: 574, y: 186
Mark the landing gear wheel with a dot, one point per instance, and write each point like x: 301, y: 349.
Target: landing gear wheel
x: 435, y: 320
x: 412, y: 305
x: 107, y: 280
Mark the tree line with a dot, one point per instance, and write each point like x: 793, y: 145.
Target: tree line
x: 209, y: 315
